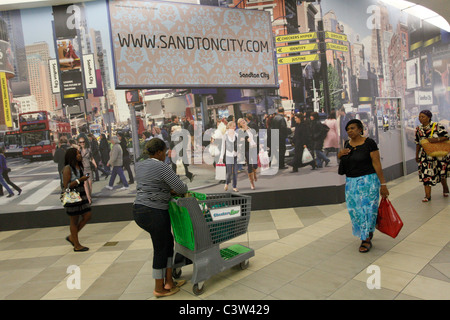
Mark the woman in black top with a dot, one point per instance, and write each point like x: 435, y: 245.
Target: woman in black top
x: 126, y: 156
x: 104, y: 149
x: 364, y: 182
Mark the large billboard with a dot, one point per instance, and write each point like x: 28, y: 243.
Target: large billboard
x: 166, y: 45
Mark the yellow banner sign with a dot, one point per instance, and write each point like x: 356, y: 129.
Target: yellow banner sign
x: 298, y: 59
x: 296, y: 37
x: 335, y: 36
x: 5, y: 99
x: 337, y: 47
x: 297, y: 48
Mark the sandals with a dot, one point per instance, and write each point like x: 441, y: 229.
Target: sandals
x: 365, y: 246
x: 166, y: 294
x: 177, y: 284
x: 426, y: 199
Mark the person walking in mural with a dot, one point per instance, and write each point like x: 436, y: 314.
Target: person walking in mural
x: 318, y: 133
x: 301, y: 140
x: 88, y: 160
x: 126, y: 156
x: 59, y: 155
x: 104, y: 149
x: 279, y: 122
x: 431, y: 169
x: 4, y: 178
x: 180, y: 163
x: 249, y: 138
x: 116, y: 162
x: 228, y: 155
x: 331, y: 142
x: 93, y: 143
x: 343, y: 119
x: 364, y: 182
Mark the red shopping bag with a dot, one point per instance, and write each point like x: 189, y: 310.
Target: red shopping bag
x: 388, y: 220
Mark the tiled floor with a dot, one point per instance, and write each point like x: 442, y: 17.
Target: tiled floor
x: 300, y: 253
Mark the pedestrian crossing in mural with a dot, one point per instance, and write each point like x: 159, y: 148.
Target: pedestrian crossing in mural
x: 33, y: 193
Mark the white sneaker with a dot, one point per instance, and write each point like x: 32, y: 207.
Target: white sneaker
x: 109, y: 188
x: 124, y: 188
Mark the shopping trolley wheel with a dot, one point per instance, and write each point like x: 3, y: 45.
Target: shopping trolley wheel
x: 198, y: 288
x: 176, y: 273
x: 244, y: 264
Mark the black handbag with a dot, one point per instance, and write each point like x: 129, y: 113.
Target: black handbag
x: 342, y: 170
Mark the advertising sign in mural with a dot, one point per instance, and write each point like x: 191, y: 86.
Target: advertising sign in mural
x: 6, y: 63
x: 164, y: 44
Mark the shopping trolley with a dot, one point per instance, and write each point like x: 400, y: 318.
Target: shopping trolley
x: 200, y: 223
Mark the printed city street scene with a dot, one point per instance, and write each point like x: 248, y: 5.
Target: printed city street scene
x: 284, y: 75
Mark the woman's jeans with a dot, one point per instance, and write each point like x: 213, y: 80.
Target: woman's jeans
x: 118, y: 171
x: 232, y: 169
x: 157, y: 223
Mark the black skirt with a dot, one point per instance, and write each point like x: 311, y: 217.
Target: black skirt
x: 83, y: 207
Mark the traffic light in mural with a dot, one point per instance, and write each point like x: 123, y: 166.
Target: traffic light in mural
x: 132, y: 96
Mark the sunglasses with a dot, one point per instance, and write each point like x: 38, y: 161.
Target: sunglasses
x: 80, y: 141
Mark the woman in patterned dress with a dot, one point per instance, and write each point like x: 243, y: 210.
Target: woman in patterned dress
x: 364, y: 182
x: 431, y: 170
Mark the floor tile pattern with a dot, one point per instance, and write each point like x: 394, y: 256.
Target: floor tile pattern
x: 300, y: 253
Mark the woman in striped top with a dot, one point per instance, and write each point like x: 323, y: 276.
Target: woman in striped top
x: 156, y: 182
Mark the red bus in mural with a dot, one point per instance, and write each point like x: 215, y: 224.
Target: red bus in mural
x: 40, y: 133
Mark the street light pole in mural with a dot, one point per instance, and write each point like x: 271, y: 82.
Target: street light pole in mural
x: 324, y: 66
x: 133, y: 98
x: 105, y: 93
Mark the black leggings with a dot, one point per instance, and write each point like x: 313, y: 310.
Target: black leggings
x: 157, y: 223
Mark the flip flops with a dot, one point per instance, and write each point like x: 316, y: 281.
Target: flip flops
x: 177, y: 284
x: 166, y: 294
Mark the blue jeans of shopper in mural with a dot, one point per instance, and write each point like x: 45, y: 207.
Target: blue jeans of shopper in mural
x: 3, y: 183
x: 321, y: 158
x: 117, y: 171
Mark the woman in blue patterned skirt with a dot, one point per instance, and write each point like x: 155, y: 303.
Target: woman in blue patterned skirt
x: 360, y: 162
